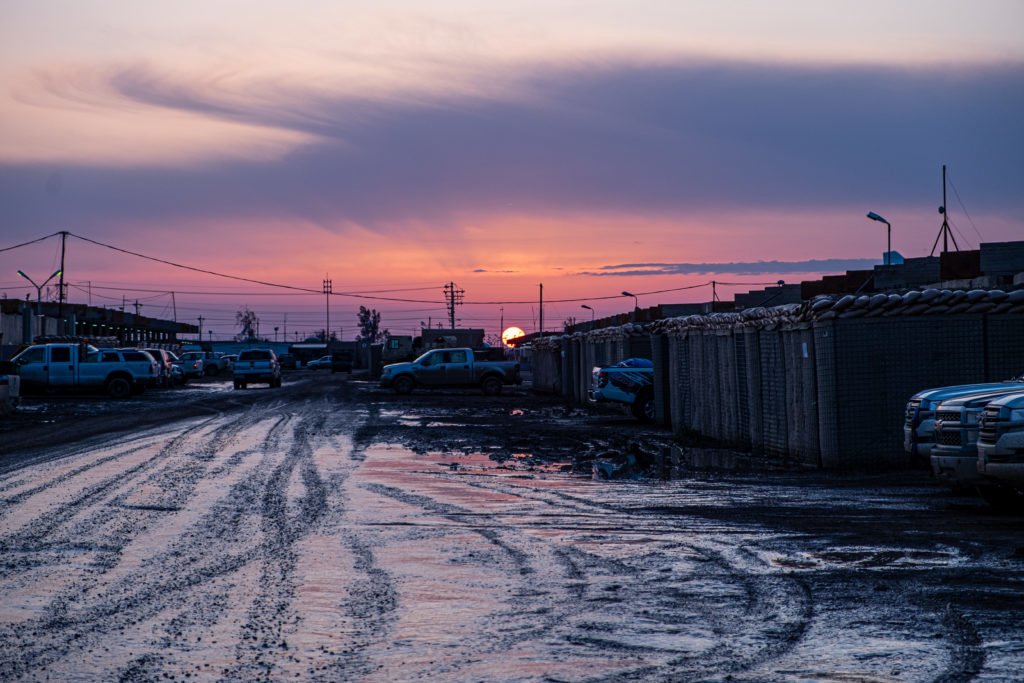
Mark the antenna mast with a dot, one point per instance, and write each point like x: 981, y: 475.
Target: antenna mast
x: 944, y: 232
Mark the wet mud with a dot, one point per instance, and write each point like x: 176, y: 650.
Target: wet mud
x: 331, y: 531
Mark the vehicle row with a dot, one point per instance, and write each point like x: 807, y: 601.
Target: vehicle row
x: 972, y: 436
x: 120, y: 372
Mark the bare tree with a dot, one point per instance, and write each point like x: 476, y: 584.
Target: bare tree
x: 248, y: 321
x: 369, y: 325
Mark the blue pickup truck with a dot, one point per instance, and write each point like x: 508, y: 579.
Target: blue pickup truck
x: 630, y: 383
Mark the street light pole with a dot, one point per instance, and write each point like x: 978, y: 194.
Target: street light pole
x: 591, y: 314
x: 39, y: 290
x: 636, y: 303
x: 888, y: 228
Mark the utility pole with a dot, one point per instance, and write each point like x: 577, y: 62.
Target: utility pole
x: 285, y: 336
x: 714, y: 292
x: 174, y: 306
x: 327, y: 296
x: 63, y: 246
x: 541, y: 330
x: 137, y: 306
x: 501, y: 325
x: 454, y: 296
x: 200, y: 328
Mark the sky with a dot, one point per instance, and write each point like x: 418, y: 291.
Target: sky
x: 595, y: 147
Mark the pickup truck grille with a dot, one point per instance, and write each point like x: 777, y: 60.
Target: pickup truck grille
x: 948, y: 437
x: 948, y: 415
x: 989, y: 430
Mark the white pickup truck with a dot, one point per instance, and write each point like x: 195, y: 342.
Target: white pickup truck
x: 56, y: 367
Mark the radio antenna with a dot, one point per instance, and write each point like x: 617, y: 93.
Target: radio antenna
x: 944, y: 232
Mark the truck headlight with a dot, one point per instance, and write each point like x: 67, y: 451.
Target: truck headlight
x: 1017, y: 415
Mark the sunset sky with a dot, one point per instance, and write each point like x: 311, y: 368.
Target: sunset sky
x: 591, y: 146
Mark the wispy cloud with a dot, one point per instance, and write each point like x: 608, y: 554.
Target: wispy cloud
x: 616, y: 137
x: 741, y: 268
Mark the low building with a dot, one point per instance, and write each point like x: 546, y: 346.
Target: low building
x: 21, y: 323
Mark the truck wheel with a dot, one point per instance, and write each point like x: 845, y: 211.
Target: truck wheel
x: 404, y: 385
x: 643, y: 407
x: 491, y: 386
x: 119, y: 387
x: 212, y: 371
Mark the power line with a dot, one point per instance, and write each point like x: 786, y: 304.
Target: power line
x: 357, y: 295
x: 265, y: 283
x: 25, y: 244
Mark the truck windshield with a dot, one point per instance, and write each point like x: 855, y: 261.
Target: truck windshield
x: 36, y: 354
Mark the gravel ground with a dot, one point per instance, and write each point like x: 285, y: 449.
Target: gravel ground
x: 329, y: 531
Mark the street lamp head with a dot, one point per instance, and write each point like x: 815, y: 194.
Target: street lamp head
x: 22, y: 273
x: 628, y: 294
x: 875, y: 217
x: 586, y: 307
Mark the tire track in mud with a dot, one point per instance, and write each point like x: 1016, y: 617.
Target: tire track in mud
x: 777, y: 609
x: 178, y: 478
x: 129, y: 446
x: 787, y: 602
x: 80, y: 614
x: 538, y: 604
x: 966, y: 657
x: 265, y: 632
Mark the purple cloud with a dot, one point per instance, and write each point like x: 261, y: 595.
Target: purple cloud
x: 626, y: 138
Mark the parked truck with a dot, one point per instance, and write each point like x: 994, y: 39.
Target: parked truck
x: 62, y: 367
x: 210, y: 363
x: 451, y: 368
x: 919, y: 414
x: 1001, y: 451
x: 628, y: 383
x: 954, y: 457
x: 257, y: 365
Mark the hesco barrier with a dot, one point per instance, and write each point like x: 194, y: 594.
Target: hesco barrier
x: 822, y: 384
x: 547, y: 368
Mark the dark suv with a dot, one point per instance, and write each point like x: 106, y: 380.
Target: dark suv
x: 341, y: 361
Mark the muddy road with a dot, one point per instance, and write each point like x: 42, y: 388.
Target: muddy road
x: 327, y: 531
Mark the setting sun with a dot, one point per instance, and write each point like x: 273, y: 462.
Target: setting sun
x: 510, y: 334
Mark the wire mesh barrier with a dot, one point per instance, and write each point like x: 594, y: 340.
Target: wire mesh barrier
x: 819, y: 384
